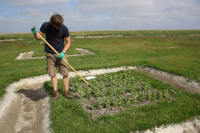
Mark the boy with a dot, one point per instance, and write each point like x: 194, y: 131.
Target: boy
x: 56, y: 33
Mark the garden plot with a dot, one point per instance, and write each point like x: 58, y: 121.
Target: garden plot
x: 112, y: 93
x: 28, y: 55
x: 99, y: 36
x: 10, y: 40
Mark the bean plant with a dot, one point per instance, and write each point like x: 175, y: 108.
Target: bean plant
x: 118, y: 89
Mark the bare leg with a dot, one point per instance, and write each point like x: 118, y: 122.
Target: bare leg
x: 65, y: 82
x: 54, y: 83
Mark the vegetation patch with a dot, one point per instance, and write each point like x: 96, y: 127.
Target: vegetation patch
x: 114, y: 92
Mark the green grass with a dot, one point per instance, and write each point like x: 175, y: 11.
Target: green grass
x: 176, y: 52
x: 68, y: 116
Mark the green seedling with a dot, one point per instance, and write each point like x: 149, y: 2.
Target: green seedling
x: 120, y: 101
x: 100, y: 103
x: 107, y: 102
x: 121, y: 90
x: 135, y: 86
x: 166, y: 93
x: 146, y: 86
x: 103, y: 91
x: 115, y: 91
x: 81, y: 92
x: 115, y: 102
x: 92, y: 107
x: 96, y: 92
x: 110, y: 91
x: 127, y: 100
x: 135, y: 96
x: 161, y: 94
x: 89, y: 92
x: 142, y: 96
x: 154, y: 96
x: 150, y: 95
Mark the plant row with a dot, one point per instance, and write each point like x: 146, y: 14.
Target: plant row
x: 117, y: 89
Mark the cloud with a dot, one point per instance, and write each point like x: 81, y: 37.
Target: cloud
x: 33, y: 3
x: 141, y: 9
x: 103, y: 14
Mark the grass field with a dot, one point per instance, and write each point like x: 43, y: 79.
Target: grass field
x: 175, y: 51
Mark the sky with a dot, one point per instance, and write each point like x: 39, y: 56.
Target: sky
x: 18, y: 16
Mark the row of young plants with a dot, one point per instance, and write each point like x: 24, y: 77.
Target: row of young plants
x: 117, y: 89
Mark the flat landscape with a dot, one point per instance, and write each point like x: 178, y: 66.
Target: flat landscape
x: 144, y: 79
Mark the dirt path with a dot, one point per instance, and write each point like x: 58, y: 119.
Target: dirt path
x: 25, y: 107
x: 176, y: 81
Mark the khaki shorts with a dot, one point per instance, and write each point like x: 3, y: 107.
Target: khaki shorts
x: 53, y: 62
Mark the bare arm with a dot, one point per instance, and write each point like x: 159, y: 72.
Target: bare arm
x: 37, y: 37
x: 68, y: 44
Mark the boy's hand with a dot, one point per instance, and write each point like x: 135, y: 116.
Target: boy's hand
x: 61, y: 55
x: 33, y: 30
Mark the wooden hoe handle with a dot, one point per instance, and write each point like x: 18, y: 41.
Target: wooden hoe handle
x: 63, y: 59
